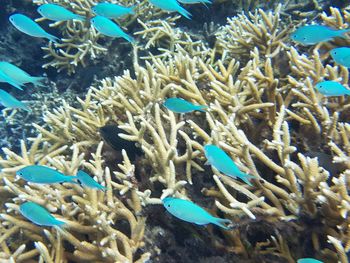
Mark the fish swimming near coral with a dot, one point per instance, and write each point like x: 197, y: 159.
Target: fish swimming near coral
x: 44, y: 175
x: 107, y: 27
x: 314, y: 34
x: 182, y: 106
x: 110, y: 10
x: 341, y: 56
x: 38, y: 215
x: 19, y: 75
x: 191, y: 2
x: 220, y: 160
x: 6, y: 78
x: 87, y: 181
x: 172, y: 6
x: 110, y: 134
x: 192, y: 213
x: 29, y: 27
x: 10, y: 102
x: 57, y: 13
x: 308, y: 260
x: 332, y: 88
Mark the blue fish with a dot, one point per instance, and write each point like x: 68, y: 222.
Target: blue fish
x: 44, y: 175
x: 88, y: 181
x: 10, y: 102
x: 341, y: 55
x: 110, y: 10
x: 219, y: 159
x: 332, y: 88
x: 19, y: 75
x: 190, y: 2
x: 57, y: 13
x: 308, y: 260
x: 38, y: 215
x: 6, y: 78
x: 29, y: 27
x: 192, y: 213
x: 314, y: 34
x: 172, y: 6
x: 182, y: 106
x: 107, y: 27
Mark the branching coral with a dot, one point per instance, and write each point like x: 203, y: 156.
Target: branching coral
x: 99, y: 227
x: 262, y: 110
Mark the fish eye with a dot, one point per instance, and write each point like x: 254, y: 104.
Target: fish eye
x: 168, y: 205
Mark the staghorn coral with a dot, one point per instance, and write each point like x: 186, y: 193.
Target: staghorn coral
x: 91, y: 233
x: 81, y: 43
x: 263, y: 111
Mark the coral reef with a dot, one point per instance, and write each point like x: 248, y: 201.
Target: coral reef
x: 263, y: 111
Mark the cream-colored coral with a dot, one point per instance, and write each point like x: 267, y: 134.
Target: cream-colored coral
x: 90, y: 215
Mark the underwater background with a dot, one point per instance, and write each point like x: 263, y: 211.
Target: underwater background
x: 175, y: 131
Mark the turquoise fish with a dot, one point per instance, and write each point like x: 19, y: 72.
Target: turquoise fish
x: 308, y: 260
x: 57, y: 13
x: 107, y: 27
x: 172, y: 6
x: 314, y: 34
x: 6, y: 78
x: 190, y: 2
x: 29, y: 27
x: 192, y: 213
x: 332, y: 88
x: 44, y: 175
x: 182, y: 106
x: 110, y: 10
x: 88, y: 181
x: 19, y: 75
x: 38, y: 215
x: 220, y: 160
x: 8, y: 101
x: 341, y: 56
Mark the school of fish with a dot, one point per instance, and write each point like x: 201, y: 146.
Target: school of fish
x: 216, y: 157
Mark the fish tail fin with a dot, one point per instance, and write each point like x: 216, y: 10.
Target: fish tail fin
x: 246, y: 178
x: 129, y: 38
x: 59, y: 222
x: 184, y: 12
x: 14, y: 83
x: 37, y: 81
x: 79, y: 17
x: 52, y: 38
x: 72, y: 179
x: 221, y: 223
x: 202, y: 108
x: 132, y: 9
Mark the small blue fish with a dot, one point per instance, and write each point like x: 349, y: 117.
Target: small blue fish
x: 192, y: 213
x: 19, y: 75
x: 10, y: 102
x: 29, y: 27
x: 308, y: 260
x: 57, y: 13
x: 191, y: 2
x: 341, y: 55
x: 6, y: 78
x: 332, y: 88
x: 107, y: 27
x: 219, y: 159
x: 44, y: 175
x: 172, y: 6
x: 88, y: 181
x: 110, y: 10
x: 314, y: 34
x: 38, y: 215
x: 182, y: 106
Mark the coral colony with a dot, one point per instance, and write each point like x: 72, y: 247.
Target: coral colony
x: 216, y: 137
